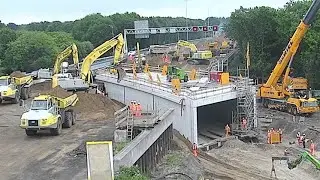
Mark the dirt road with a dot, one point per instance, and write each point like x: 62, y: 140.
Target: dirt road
x: 44, y: 156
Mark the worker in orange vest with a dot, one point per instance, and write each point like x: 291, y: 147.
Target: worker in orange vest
x: 269, y: 137
x: 227, y: 128
x: 280, y: 134
x: 298, y: 138
x: 134, y: 109
x: 312, y: 148
x: 244, y: 124
x: 131, y: 107
x: 138, y: 110
x: 195, y: 150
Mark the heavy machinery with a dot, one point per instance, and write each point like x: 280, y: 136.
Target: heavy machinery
x: 13, y: 87
x: 194, y: 57
x: 49, y: 112
x: 175, y: 72
x: 276, y: 93
x: 85, y: 81
x: 63, y: 56
x: 294, y: 163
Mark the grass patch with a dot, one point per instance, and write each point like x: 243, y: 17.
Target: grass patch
x: 119, y: 146
x: 174, y: 159
x: 130, y: 173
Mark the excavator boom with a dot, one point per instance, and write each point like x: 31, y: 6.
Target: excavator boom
x: 99, y: 51
x: 64, y: 55
x: 293, y: 44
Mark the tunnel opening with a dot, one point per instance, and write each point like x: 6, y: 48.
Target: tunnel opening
x: 212, y: 119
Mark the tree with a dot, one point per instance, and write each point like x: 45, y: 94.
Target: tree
x: 31, y: 51
x: 6, y: 36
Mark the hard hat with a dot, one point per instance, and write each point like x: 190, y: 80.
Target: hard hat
x: 139, y: 103
x: 303, y: 134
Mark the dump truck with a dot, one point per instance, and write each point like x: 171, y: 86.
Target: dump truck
x: 49, y: 112
x: 175, y: 72
x: 15, y: 87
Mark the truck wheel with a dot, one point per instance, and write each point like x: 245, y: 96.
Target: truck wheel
x: 31, y: 132
x: 169, y: 79
x: 16, y: 98
x: 24, y: 93
x: 294, y: 111
x: 74, y: 117
x: 68, y: 119
x: 56, y: 131
x: 185, y: 79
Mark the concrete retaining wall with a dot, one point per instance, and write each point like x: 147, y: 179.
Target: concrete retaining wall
x: 132, y: 152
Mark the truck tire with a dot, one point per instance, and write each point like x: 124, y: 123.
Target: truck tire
x: 169, y: 78
x: 30, y: 132
x: 74, y: 118
x: 16, y: 98
x: 185, y: 79
x: 57, y: 131
x: 68, y: 119
x: 24, y: 93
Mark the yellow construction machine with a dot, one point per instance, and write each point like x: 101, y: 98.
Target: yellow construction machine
x: 195, y: 56
x: 63, y: 56
x: 13, y: 88
x: 49, y: 112
x: 85, y: 80
x: 290, y: 94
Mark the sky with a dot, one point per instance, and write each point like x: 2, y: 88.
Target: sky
x: 67, y: 10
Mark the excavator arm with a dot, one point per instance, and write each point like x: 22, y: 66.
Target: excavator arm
x: 64, y: 55
x: 99, y: 51
x: 304, y: 156
x: 293, y: 44
x: 182, y: 43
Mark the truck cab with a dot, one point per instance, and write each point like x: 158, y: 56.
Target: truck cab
x: 7, y: 88
x: 42, y: 114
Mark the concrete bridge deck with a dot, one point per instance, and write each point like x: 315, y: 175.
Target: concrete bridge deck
x: 153, y: 96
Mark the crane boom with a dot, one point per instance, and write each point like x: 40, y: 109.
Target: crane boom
x: 293, y: 44
x: 99, y: 51
x: 63, y: 55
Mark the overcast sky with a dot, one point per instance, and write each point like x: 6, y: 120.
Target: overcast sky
x: 26, y: 11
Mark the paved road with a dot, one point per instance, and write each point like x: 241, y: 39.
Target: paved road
x: 45, y: 157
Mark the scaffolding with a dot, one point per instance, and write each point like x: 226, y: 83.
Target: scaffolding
x: 246, y: 103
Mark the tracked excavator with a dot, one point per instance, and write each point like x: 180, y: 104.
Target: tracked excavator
x: 85, y: 80
x: 304, y: 156
x: 195, y: 57
x: 277, y: 94
x: 63, y: 56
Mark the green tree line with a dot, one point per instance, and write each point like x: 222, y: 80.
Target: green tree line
x: 268, y: 31
x: 31, y: 46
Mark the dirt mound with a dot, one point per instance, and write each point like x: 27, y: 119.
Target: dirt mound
x: 57, y: 92
x: 234, y: 143
x: 18, y: 74
x: 95, y: 107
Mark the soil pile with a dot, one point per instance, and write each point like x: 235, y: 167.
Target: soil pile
x: 95, y: 107
x: 57, y: 92
x: 18, y: 74
x: 234, y: 143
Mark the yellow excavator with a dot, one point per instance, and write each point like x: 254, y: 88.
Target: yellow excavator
x: 85, y: 80
x: 279, y: 95
x: 194, y: 57
x: 64, y: 55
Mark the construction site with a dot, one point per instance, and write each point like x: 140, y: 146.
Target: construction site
x: 174, y: 111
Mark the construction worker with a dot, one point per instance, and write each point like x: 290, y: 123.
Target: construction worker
x: 227, y: 128
x: 195, y: 150
x: 312, y: 148
x: 138, y: 110
x: 269, y: 137
x: 134, y: 109
x: 303, y: 140
x: 298, y: 138
x: 131, y: 107
x: 280, y: 135
x: 244, y: 123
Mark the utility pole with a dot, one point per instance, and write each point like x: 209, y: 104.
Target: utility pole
x: 187, y: 18
x: 112, y: 35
